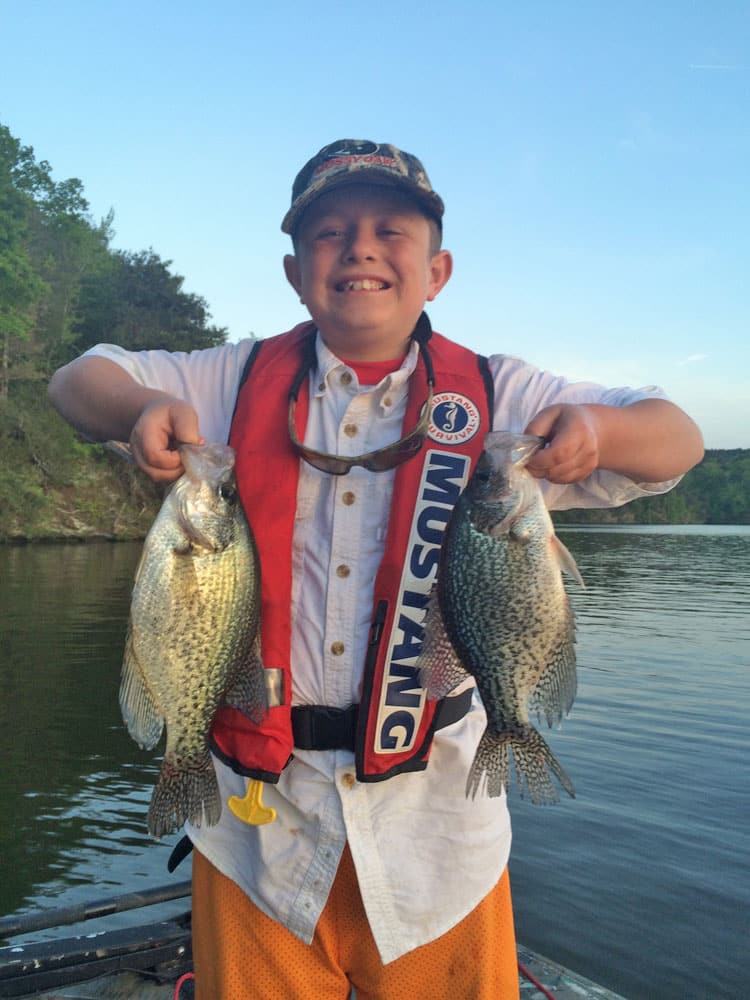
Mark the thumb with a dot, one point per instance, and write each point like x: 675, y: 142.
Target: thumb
x: 544, y: 422
x: 184, y: 421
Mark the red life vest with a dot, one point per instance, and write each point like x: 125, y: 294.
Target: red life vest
x: 395, y: 721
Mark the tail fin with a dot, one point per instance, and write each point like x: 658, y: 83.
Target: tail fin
x: 533, y: 759
x: 185, y: 792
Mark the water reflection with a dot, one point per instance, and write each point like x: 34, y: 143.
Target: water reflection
x: 654, y: 849
x: 74, y: 787
x: 642, y: 882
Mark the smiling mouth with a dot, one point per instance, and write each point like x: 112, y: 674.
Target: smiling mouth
x: 362, y: 285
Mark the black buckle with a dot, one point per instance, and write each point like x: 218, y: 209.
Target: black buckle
x: 318, y: 727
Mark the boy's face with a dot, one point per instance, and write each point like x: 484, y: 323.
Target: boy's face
x: 364, y: 268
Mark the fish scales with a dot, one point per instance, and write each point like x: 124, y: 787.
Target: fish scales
x: 499, y: 612
x: 193, y: 635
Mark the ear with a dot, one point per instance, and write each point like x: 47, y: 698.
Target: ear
x: 293, y: 274
x: 441, y: 268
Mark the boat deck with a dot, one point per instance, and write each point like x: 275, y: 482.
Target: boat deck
x: 144, y: 962
x: 562, y: 983
x: 559, y: 982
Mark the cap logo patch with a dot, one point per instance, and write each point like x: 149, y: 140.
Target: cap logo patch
x: 354, y: 148
x: 455, y: 418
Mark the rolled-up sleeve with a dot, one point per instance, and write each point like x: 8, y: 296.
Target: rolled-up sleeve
x: 207, y: 379
x: 521, y: 391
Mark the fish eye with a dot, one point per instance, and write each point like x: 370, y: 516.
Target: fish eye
x: 482, y: 472
x: 228, y: 492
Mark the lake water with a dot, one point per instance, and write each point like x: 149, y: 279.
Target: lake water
x: 641, y: 883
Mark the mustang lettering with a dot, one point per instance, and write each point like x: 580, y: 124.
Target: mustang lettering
x: 402, y: 698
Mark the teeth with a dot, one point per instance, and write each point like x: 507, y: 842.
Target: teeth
x: 365, y: 285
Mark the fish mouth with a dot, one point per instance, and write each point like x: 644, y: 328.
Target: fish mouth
x: 362, y: 285
x: 195, y: 526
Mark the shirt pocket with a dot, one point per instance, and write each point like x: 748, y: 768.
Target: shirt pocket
x: 376, y: 491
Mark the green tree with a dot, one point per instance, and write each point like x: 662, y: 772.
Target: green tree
x: 67, y: 249
x: 135, y: 301
x: 21, y: 288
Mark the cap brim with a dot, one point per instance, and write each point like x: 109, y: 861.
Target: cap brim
x: 428, y: 201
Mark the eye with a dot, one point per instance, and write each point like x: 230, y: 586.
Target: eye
x: 329, y: 233
x: 482, y: 471
x: 228, y: 493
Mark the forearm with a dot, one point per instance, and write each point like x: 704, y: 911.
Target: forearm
x: 99, y: 398
x: 651, y: 440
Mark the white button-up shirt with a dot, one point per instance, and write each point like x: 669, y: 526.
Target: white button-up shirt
x: 425, y: 855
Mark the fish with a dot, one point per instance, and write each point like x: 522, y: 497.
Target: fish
x: 193, y: 635
x: 499, y: 612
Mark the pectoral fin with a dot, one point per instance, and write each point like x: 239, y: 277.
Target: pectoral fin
x: 566, y: 561
x: 440, y: 669
x: 252, y: 691
x: 139, y: 710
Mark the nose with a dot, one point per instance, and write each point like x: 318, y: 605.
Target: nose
x: 360, y: 244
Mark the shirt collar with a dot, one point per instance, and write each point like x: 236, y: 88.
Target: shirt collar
x: 327, y: 363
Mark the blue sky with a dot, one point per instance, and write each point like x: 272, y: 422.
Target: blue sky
x: 594, y: 159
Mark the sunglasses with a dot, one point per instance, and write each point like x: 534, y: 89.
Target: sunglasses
x: 380, y: 460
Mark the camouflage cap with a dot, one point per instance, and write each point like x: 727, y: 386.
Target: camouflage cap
x: 357, y: 160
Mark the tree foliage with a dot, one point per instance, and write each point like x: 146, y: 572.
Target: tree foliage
x: 717, y: 491
x: 63, y: 288
x: 21, y: 286
x: 135, y: 301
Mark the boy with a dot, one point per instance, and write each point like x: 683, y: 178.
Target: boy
x: 377, y: 871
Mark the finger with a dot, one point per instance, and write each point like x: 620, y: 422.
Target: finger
x: 559, y: 451
x: 570, y: 470
x: 150, y: 443
x: 162, y: 475
x: 566, y: 463
x: 164, y: 466
x: 184, y: 422
x: 542, y: 425
x: 153, y: 443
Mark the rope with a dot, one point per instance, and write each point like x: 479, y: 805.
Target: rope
x: 183, y: 979
x: 532, y: 979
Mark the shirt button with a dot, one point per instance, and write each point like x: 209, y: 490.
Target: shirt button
x: 337, y: 648
x: 350, y: 430
x: 348, y: 780
x: 343, y: 571
x: 346, y: 378
x: 321, y: 386
x: 387, y: 401
x: 348, y: 498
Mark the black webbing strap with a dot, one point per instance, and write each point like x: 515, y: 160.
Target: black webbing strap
x: 317, y: 727
x: 180, y: 851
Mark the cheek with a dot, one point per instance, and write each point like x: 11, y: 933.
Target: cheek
x: 309, y: 281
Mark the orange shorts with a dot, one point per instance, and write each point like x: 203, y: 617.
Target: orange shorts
x: 241, y: 954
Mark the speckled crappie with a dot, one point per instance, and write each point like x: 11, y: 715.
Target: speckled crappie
x: 499, y: 612
x: 193, y: 635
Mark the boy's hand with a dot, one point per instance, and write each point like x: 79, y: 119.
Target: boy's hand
x: 573, y: 449
x: 162, y: 425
